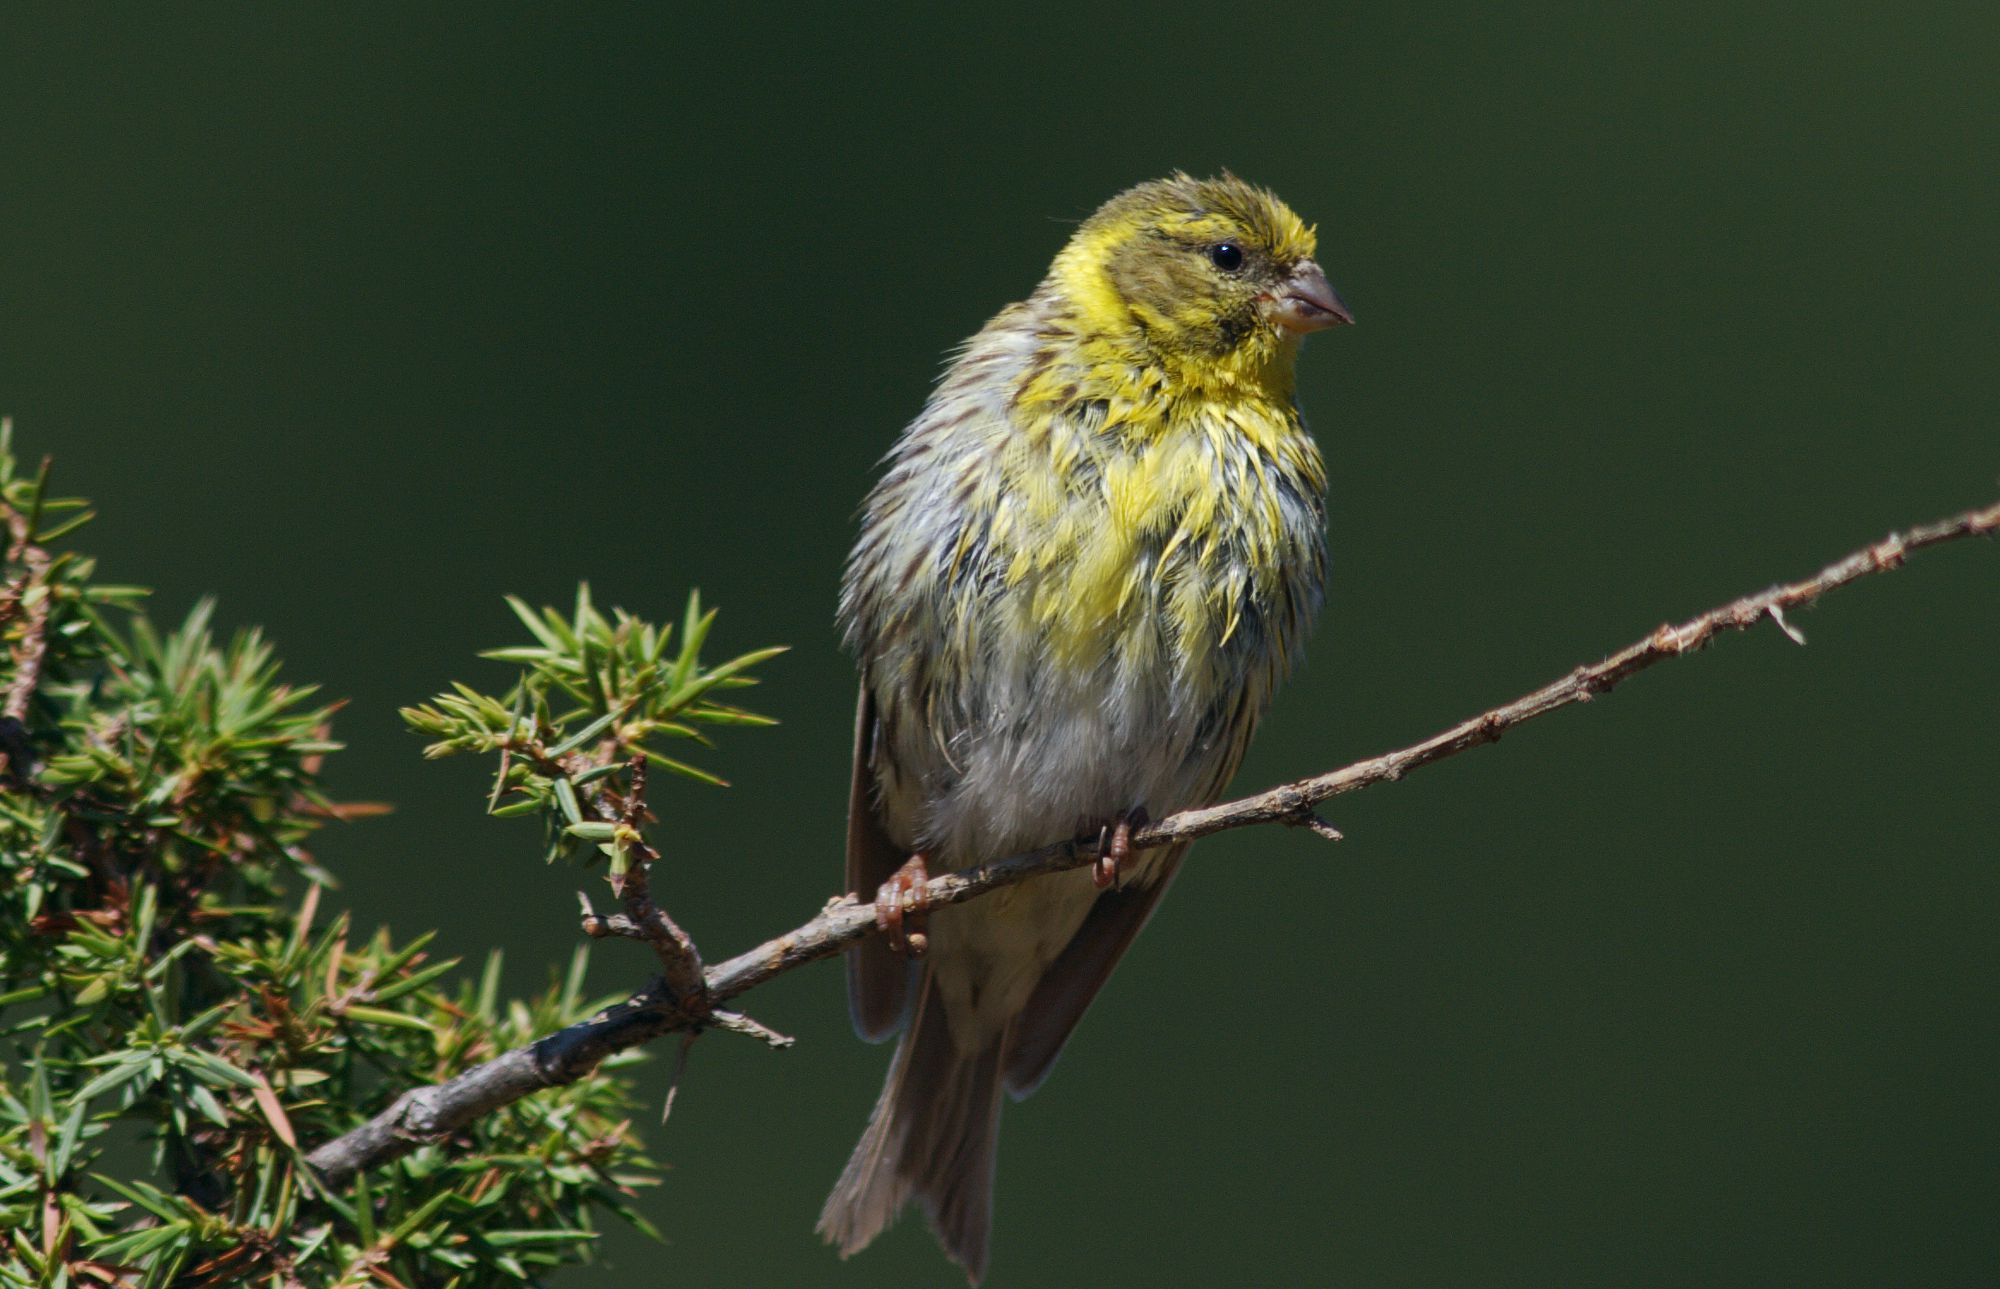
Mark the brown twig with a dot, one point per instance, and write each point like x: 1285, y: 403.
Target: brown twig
x: 643, y: 919
x: 27, y: 598
x: 573, y: 1052
x: 680, y: 961
x: 435, y: 1111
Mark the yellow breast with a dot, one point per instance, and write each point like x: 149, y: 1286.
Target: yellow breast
x: 1151, y: 530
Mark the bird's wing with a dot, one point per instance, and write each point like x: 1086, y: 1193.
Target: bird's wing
x: 878, y: 980
x: 1073, y: 979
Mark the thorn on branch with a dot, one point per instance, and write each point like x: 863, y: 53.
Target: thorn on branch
x: 1309, y: 819
x: 674, y: 1079
x: 738, y: 1023
x: 595, y: 924
x: 1796, y: 636
x: 600, y: 926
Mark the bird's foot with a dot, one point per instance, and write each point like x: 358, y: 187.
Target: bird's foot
x: 900, y: 906
x: 1114, y: 847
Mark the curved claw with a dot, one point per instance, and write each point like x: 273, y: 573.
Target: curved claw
x: 900, y: 901
x: 1114, y: 848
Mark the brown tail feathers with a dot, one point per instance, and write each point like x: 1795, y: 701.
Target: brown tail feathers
x: 931, y: 1139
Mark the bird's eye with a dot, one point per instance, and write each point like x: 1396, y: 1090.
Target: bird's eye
x: 1227, y: 256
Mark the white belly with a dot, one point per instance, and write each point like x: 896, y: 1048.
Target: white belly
x: 1092, y: 752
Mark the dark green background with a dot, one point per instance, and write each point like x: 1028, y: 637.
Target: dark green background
x: 361, y: 318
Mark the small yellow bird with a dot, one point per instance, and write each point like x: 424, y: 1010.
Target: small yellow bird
x: 1092, y: 558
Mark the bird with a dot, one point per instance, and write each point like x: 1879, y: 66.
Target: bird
x: 1086, y: 566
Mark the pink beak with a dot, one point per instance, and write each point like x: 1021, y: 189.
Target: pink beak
x: 1306, y: 301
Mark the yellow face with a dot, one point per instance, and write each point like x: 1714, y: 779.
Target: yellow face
x: 1200, y: 269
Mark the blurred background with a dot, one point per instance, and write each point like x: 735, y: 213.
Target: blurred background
x: 363, y: 316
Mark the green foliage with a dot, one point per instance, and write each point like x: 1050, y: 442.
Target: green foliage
x: 176, y: 1030
x: 596, y: 695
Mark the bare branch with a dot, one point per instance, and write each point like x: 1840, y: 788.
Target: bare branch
x: 436, y: 1111
x: 430, y: 1112
x: 28, y: 598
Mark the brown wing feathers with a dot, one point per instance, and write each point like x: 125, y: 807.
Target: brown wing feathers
x: 878, y: 981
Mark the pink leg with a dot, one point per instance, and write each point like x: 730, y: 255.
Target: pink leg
x: 1114, y: 848
x: 901, y: 899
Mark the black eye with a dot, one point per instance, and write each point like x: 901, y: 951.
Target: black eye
x: 1227, y: 256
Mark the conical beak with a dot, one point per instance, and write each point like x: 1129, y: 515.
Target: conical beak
x: 1306, y: 301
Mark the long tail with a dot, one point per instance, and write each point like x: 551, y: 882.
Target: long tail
x: 931, y: 1139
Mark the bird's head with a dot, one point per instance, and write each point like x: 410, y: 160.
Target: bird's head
x: 1211, y: 273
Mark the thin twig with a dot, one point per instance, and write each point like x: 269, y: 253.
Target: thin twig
x: 29, y: 599
x: 738, y: 1023
x: 680, y: 961
x: 435, y: 1111
x: 570, y: 1054
x: 643, y: 918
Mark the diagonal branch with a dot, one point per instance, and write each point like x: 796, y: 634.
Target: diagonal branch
x: 431, y: 1112
x: 28, y: 598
